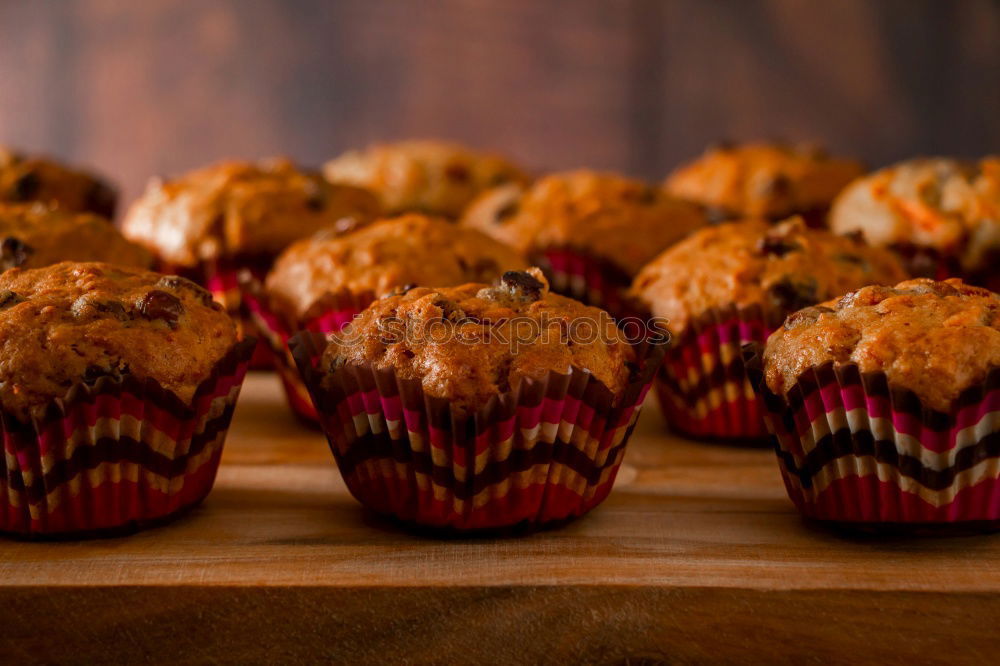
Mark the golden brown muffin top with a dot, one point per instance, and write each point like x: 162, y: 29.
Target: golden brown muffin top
x: 34, y: 235
x: 779, y: 267
x: 409, y: 250
x: 73, y: 322
x: 423, y: 176
x: 936, y: 339
x: 240, y: 208
x: 26, y: 178
x: 945, y: 204
x: 763, y: 179
x: 624, y: 221
x: 499, y: 335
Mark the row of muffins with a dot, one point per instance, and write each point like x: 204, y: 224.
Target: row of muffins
x: 773, y: 269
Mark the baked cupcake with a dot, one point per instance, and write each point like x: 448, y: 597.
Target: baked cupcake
x: 210, y: 223
x: 35, y: 235
x: 432, y: 177
x: 117, y: 386
x: 321, y: 283
x: 731, y: 284
x: 590, y: 232
x: 478, y: 407
x: 764, y: 180
x: 942, y: 216
x: 25, y: 179
x: 884, y: 405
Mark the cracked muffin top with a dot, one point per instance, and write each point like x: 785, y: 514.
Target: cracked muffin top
x: 467, y: 344
x: 409, y: 250
x: 35, y: 235
x: 780, y: 267
x: 947, y: 206
x: 769, y: 180
x: 624, y: 221
x: 72, y: 322
x: 936, y: 339
x: 25, y: 178
x: 241, y: 209
x: 423, y: 176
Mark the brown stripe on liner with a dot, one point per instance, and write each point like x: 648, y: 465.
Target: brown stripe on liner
x: 732, y: 372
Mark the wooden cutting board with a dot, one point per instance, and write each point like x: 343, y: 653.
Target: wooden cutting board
x: 696, y: 556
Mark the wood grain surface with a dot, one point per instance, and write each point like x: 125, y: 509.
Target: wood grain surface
x: 155, y: 87
x: 696, y: 556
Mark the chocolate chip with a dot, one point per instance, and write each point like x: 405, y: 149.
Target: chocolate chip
x: 450, y: 310
x: 181, y: 283
x: 88, y: 306
x: 717, y: 215
x: 523, y: 284
x: 649, y: 196
x: 776, y: 246
x: 507, y: 210
x: 776, y: 186
x: 27, y: 186
x: 101, y: 200
x: 96, y: 372
x: 14, y: 252
x: 789, y: 294
x: 161, y: 305
x: 9, y: 298
x: 399, y: 291
x: 458, y: 173
x: 854, y: 259
x: 805, y: 316
x: 856, y: 235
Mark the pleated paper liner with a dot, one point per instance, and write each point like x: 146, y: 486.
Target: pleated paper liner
x: 574, y: 272
x: 856, y: 451
x: 116, y: 456
x: 702, y: 387
x: 542, y: 454
x: 221, y: 278
x: 929, y: 263
x: 275, y: 331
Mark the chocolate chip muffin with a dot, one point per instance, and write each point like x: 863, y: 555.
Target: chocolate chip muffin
x: 941, y: 215
x: 935, y: 339
x: 239, y: 209
x: 392, y: 253
x: 478, y: 406
x: 767, y: 180
x: 35, y: 235
x: 591, y: 232
x: 486, y: 355
x: 77, y: 322
x: 432, y: 177
x: 732, y: 284
x: 26, y: 178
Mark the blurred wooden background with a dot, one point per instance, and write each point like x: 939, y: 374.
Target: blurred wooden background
x: 157, y: 86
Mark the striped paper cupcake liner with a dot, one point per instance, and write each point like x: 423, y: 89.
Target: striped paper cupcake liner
x: 702, y: 386
x: 576, y: 273
x: 222, y: 279
x: 544, y: 453
x: 275, y: 331
x: 855, y: 450
x: 117, y: 455
x: 930, y: 263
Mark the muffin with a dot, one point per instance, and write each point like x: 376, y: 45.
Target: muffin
x: 25, y: 179
x: 764, y: 180
x: 942, y: 216
x: 478, y: 407
x: 432, y: 177
x: 591, y: 232
x: 210, y: 223
x: 731, y: 284
x: 35, y: 235
x: 117, y: 386
x: 883, y: 404
x: 322, y: 282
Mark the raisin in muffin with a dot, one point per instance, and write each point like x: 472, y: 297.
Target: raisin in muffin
x: 243, y: 210
x: 422, y: 176
x: 941, y: 215
x: 732, y: 284
x: 26, y: 178
x: 767, y: 180
x: 76, y: 322
x: 408, y: 250
x: 36, y: 235
x: 936, y: 339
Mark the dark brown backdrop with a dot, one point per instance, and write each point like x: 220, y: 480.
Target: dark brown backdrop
x: 156, y: 86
